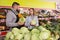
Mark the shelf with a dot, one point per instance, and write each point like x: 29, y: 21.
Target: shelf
x: 2, y: 16
x: 48, y: 18
x: 3, y: 33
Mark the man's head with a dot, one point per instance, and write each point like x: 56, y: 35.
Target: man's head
x: 15, y: 5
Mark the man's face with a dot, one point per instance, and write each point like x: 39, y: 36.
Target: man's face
x: 16, y: 7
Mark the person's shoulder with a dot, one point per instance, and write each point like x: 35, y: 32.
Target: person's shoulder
x: 9, y: 11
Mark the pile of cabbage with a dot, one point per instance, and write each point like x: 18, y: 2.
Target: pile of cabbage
x: 39, y: 33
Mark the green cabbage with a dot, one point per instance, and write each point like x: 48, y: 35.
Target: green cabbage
x: 41, y: 28
x: 24, y: 34
x: 27, y: 36
x: 24, y: 30
x: 9, y: 36
x: 15, y: 31
x: 35, y: 31
x: 52, y: 38
x: 34, y: 37
x: 19, y: 37
x: 35, y: 34
x: 44, y: 35
x: 33, y: 22
x: 22, y: 39
x: 22, y: 19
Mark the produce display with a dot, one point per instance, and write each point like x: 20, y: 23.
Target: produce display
x: 39, y: 33
x: 54, y: 27
x: 48, y: 30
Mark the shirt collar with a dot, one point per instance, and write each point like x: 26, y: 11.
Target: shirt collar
x: 15, y: 11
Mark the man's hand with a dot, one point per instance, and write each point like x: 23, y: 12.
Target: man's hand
x: 20, y: 23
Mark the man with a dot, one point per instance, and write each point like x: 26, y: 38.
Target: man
x: 12, y: 16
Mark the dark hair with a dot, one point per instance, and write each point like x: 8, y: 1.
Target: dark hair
x: 15, y: 3
x: 33, y: 11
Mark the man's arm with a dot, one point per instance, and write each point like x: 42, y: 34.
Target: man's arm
x: 9, y: 18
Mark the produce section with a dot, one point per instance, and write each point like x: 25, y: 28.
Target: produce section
x: 18, y: 21
x: 48, y: 29
x: 38, y: 33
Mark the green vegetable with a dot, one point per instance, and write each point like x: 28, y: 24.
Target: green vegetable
x: 22, y: 19
x: 11, y: 36
x: 41, y: 28
x: 24, y: 34
x: 22, y: 39
x: 51, y: 38
x: 34, y: 37
x: 8, y: 35
x: 24, y: 30
x: 33, y: 22
x: 44, y: 35
x: 27, y: 36
x: 18, y: 36
x: 15, y: 31
x: 35, y: 31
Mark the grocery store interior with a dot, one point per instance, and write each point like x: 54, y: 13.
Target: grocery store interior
x: 29, y: 19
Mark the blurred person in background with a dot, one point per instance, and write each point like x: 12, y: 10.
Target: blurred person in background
x: 12, y: 19
x: 32, y: 19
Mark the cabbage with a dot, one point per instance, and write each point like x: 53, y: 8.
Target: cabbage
x: 35, y: 31
x: 35, y: 34
x: 44, y: 35
x: 19, y: 37
x: 34, y: 37
x: 22, y: 19
x: 24, y: 30
x: 22, y: 39
x: 41, y: 28
x: 33, y: 22
x: 27, y: 36
x: 52, y: 38
x: 9, y: 36
x: 15, y: 31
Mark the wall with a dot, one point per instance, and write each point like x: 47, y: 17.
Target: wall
x: 30, y: 3
x: 57, y: 1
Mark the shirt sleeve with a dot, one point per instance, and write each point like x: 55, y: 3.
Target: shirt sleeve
x: 37, y: 22
x: 27, y: 21
x: 9, y: 18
